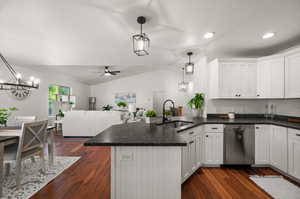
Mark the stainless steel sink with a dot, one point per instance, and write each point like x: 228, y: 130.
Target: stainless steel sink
x: 176, y: 123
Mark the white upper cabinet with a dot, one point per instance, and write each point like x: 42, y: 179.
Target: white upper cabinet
x: 270, y: 77
x: 232, y: 78
x: 292, y: 74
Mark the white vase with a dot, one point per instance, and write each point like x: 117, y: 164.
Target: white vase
x: 197, y: 112
x: 149, y: 120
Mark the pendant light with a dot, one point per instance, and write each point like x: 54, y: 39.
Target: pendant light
x: 182, y: 86
x: 141, y: 42
x: 18, y: 84
x: 189, y: 67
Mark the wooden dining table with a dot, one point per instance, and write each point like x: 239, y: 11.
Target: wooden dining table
x: 10, y: 135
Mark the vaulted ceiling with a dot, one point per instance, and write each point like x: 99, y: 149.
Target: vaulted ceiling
x: 79, y: 37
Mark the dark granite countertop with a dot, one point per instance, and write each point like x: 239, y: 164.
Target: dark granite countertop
x: 137, y: 134
x: 142, y: 134
x: 202, y: 121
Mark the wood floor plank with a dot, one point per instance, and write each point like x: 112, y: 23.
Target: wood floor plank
x: 89, y: 177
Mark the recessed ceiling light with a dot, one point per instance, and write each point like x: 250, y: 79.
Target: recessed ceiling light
x: 268, y: 35
x: 208, y: 35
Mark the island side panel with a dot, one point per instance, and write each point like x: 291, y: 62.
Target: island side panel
x: 140, y: 172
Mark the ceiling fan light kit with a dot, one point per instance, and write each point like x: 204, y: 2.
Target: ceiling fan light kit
x: 19, y: 88
x: 108, y: 72
x: 141, y: 42
x: 189, y: 67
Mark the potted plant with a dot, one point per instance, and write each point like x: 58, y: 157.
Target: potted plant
x: 149, y: 115
x: 196, y: 104
x: 107, y: 107
x: 4, y: 115
x: 121, y: 104
x: 60, y: 114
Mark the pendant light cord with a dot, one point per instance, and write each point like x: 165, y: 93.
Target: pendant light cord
x: 141, y: 29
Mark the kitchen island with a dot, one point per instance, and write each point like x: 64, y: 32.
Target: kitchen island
x: 145, y: 160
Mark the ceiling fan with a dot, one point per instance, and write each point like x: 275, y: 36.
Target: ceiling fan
x: 108, y: 72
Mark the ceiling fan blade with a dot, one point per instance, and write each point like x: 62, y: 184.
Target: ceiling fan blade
x: 116, y: 71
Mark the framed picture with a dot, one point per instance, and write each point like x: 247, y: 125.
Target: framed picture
x: 125, y: 97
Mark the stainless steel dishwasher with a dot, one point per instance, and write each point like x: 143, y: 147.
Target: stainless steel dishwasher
x: 239, y: 144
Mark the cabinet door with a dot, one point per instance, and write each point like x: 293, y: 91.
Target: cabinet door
x: 247, y: 80
x: 294, y: 152
x: 193, y: 155
x: 277, y: 77
x: 213, y: 148
x: 278, y: 150
x: 263, y: 79
x: 185, y: 162
x: 199, y: 150
x: 292, y: 74
x: 262, y: 144
x: 229, y: 80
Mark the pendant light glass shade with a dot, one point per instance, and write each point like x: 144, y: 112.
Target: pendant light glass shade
x: 141, y: 42
x: 183, y: 86
x: 189, y: 67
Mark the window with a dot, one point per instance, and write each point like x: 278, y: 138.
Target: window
x: 53, y: 91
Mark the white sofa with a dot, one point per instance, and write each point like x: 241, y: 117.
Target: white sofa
x: 88, y: 123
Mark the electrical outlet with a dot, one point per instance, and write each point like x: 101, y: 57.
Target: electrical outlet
x: 126, y: 157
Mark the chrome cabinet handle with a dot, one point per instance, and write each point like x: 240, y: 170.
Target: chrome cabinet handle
x: 214, y: 128
x: 191, y: 132
x: 206, y: 136
x: 298, y: 135
x: 191, y: 142
x: 256, y: 127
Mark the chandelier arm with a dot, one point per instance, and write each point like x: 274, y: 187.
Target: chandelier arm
x: 9, y: 67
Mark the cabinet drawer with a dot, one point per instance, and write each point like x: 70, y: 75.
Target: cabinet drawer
x: 294, y: 134
x: 190, y: 133
x: 214, y: 128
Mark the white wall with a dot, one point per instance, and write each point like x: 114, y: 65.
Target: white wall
x: 37, y: 102
x: 146, y: 85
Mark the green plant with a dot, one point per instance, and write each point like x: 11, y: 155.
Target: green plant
x: 168, y: 112
x: 197, y: 101
x: 71, y: 103
x: 5, y: 113
x: 150, y: 113
x: 107, y: 107
x: 122, y: 104
x: 60, y: 113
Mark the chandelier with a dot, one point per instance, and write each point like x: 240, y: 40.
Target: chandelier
x: 189, y: 67
x: 141, y: 42
x: 18, y: 84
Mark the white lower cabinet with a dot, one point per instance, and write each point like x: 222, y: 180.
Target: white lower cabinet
x: 294, y: 153
x: 191, y: 154
x: 278, y: 149
x: 199, y: 150
x: 213, y: 148
x: 262, y: 144
x: 185, y: 170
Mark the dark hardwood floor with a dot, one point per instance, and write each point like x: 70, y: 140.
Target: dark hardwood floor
x: 89, y: 178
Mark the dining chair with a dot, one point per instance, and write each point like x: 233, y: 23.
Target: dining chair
x: 22, y: 119
x: 31, y: 143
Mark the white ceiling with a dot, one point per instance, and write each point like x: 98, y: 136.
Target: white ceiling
x: 79, y: 37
